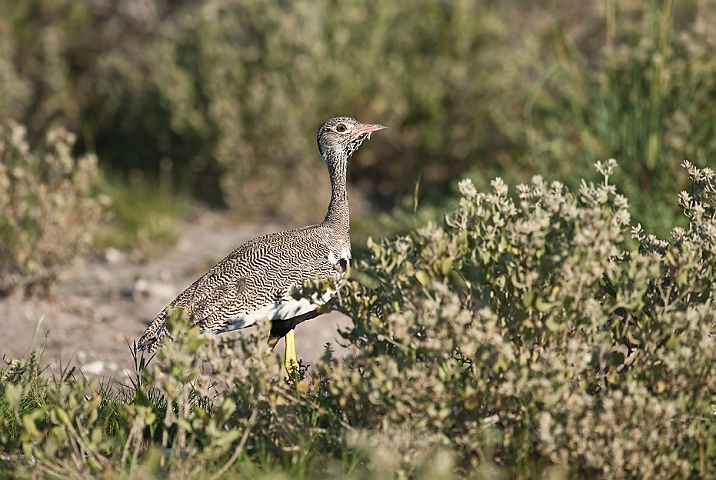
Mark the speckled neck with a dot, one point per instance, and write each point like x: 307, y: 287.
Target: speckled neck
x: 338, y: 216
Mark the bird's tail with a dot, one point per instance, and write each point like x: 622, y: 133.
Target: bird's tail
x: 152, y: 337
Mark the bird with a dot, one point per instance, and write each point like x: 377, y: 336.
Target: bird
x: 254, y: 282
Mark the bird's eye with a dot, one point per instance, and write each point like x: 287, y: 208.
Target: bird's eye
x: 340, y: 128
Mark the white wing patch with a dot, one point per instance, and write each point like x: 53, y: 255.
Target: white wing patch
x: 279, y: 311
x: 290, y: 308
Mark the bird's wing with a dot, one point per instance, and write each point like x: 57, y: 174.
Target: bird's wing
x: 281, y: 305
x: 251, y: 283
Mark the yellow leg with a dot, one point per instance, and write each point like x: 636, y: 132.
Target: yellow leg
x: 290, y: 361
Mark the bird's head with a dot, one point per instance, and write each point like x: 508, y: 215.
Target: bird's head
x: 343, y: 135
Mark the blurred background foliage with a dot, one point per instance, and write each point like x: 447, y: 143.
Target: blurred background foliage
x: 225, y: 97
x: 49, y: 204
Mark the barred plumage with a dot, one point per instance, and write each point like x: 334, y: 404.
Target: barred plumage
x: 254, y: 281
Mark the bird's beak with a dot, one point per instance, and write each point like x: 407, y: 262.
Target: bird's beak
x: 368, y: 128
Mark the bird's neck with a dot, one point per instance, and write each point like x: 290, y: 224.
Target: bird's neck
x: 338, y: 215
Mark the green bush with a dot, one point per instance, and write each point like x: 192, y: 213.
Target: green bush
x: 15, y: 92
x: 518, y: 339
x: 48, y: 206
x: 527, y: 330
x: 84, y: 67
x: 630, y: 80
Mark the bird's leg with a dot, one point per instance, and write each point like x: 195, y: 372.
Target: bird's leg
x: 290, y: 361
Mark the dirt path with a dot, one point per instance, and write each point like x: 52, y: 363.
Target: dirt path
x: 101, y: 303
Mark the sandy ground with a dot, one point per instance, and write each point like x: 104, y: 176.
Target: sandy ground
x: 101, y: 303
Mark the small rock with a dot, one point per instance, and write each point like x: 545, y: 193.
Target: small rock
x: 140, y: 287
x: 164, y: 291
x: 93, y: 368
x: 183, y: 245
x: 113, y: 256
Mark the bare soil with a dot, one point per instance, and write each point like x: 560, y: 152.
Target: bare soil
x: 104, y: 302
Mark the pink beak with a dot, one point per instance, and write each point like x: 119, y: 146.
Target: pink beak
x: 368, y: 128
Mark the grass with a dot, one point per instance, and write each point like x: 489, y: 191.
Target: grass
x: 143, y: 214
